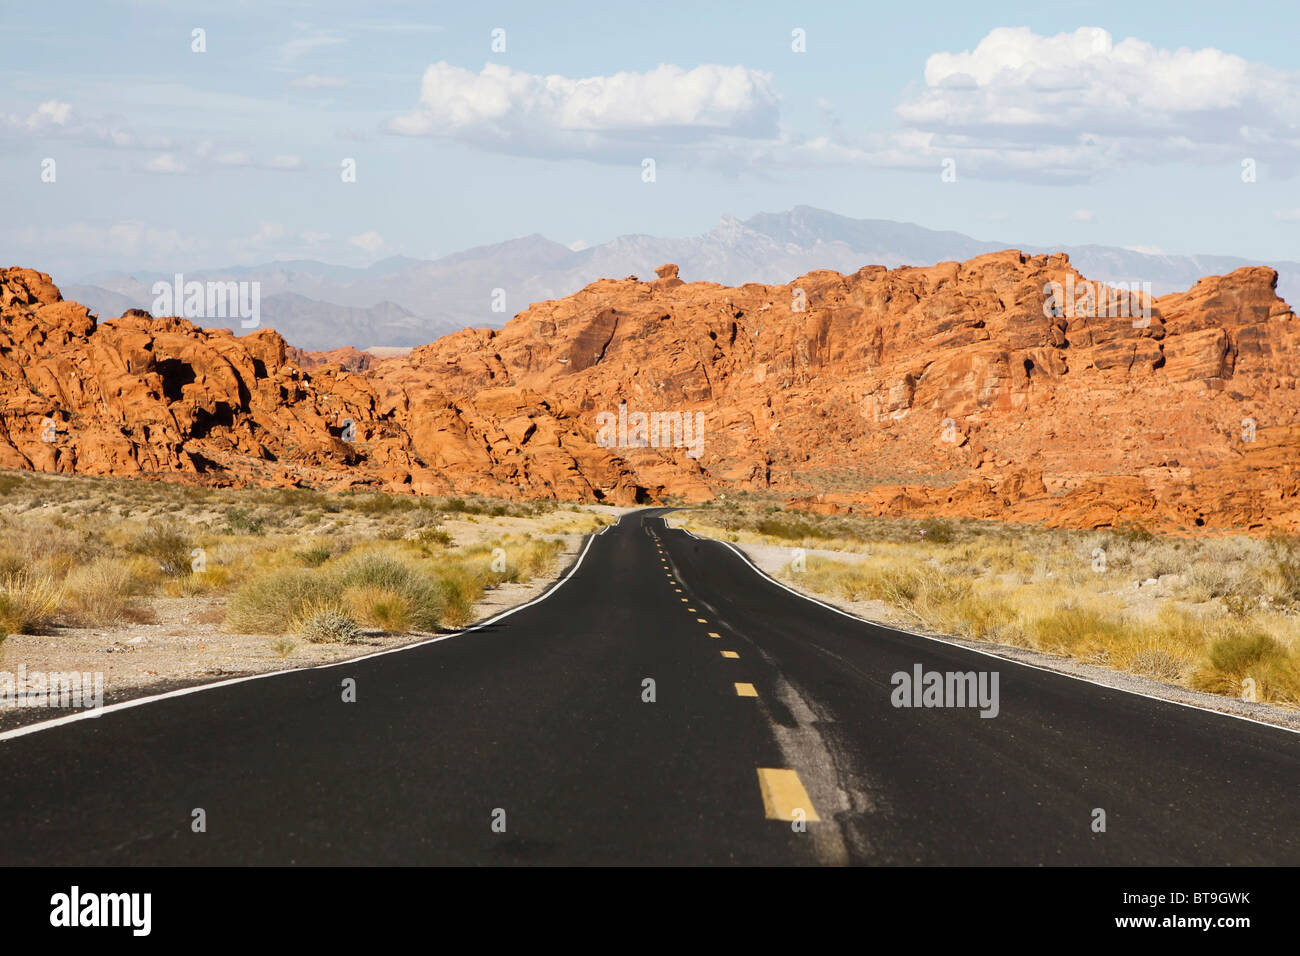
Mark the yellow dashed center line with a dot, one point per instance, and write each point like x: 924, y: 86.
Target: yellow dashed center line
x: 784, y: 795
x: 700, y: 620
x: 714, y: 634
x: 731, y: 655
x: 746, y: 690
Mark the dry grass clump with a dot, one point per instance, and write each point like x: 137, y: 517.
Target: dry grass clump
x: 28, y: 602
x: 325, y: 622
x: 269, y: 603
x: 100, y: 594
x: 384, y: 608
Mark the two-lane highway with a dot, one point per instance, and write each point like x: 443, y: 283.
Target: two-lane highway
x: 664, y: 703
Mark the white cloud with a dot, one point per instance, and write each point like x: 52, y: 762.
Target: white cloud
x: 268, y: 232
x: 369, y: 241
x: 55, y: 119
x: 242, y: 159
x: 510, y: 111
x: 165, y: 163
x: 1288, y: 215
x: 312, y: 237
x: 51, y: 111
x: 1065, y: 107
x: 579, y: 244
x: 314, y: 81
x: 307, y: 42
x: 1082, y: 215
x: 284, y: 162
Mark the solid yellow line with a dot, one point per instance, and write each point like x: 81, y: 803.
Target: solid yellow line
x: 731, y: 655
x: 746, y: 690
x: 783, y: 794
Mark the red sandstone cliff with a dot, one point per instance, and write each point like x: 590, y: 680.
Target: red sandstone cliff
x: 948, y: 389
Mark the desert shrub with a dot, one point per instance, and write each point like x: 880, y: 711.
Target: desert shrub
x: 161, y: 542
x: 269, y: 603
x: 538, y: 557
x: 1232, y: 655
x: 99, y: 594
x: 936, y: 531
x: 1158, y: 663
x: 1212, y: 579
x: 1076, y: 630
x: 785, y: 527
x: 314, y: 556
x: 384, y: 608
x: 29, y: 601
x: 283, y: 646
x: 243, y: 521
x: 1239, y: 605
x: 215, y: 578
x: 983, y: 618
x: 1285, y: 553
x: 12, y: 558
x: 458, y: 588
x: 325, y: 622
x: 143, y: 574
x: 419, y: 588
x: 1241, y: 652
x: 522, y: 561
x: 1133, y: 533
x: 430, y: 536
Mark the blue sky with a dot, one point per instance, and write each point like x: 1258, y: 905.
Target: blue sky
x: 1117, y: 123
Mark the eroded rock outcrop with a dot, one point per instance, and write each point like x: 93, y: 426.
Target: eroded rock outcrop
x: 973, y: 388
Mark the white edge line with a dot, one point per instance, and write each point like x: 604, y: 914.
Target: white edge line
x: 181, y: 692
x: 1009, y: 660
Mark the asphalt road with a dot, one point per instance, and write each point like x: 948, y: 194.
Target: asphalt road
x: 767, y: 708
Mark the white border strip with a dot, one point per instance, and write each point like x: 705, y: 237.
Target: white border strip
x: 140, y: 701
x: 1009, y: 660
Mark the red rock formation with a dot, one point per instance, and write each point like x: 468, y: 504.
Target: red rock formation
x: 352, y: 359
x: 962, y: 388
